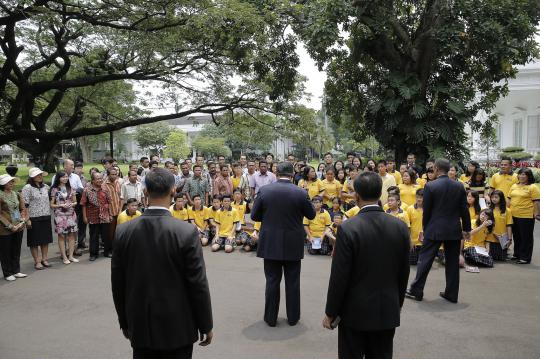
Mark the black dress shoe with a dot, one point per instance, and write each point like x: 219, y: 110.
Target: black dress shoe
x: 443, y: 295
x: 271, y: 324
x: 92, y: 258
x: 411, y: 295
x: 293, y: 323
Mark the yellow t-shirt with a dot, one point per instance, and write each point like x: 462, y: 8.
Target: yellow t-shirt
x: 332, y: 189
x: 314, y: 188
x: 318, y: 224
x: 503, y: 182
x: 502, y: 221
x: 257, y: 226
x: 241, y: 208
x: 397, y: 176
x: 473, y: 214
x: 387, y: 182
x: 348, y: 189
x: 226, y: 221
x: 421, y: 182
x: 464, y: 178
x: 415, y: 217
x: 212, y: 213
x: 408, y: 193
x: 236, y: 182
x: 478, y: 239
x: 180, y: 214
x: 352, y: 212
x: 124, y: 217
x: 401, y: 215
x: 199, y: 217
x: 403, y: 206
x: 522, y: 197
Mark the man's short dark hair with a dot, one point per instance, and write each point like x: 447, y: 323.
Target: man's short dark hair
x: 109, y: 170
x: 131, y: 200
x: 381, y: 161
x: 368, y: 186
x: 195, y: 196
x: 197, y: 166
x: 328, y: 153
x: 351, y: 154
x: 143, y: 159
x: 506, y: 158
x: 285, y: 169
x: 107, y: 160
x: 263, y: 162
x: 442, y: 164
x: 159, y: 182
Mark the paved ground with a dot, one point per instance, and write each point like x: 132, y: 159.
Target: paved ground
x: 67, y: 312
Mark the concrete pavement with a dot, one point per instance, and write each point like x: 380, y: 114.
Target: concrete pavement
x: 68, y: 312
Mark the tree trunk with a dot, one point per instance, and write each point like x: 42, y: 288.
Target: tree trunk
x: 86, y: 150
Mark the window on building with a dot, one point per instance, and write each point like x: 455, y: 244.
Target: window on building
x: 533, y: 132
x: 518, y: 133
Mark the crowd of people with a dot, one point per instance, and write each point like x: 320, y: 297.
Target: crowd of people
x: 217, y: 196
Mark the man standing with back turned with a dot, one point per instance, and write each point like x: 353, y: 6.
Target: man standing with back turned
x: 369, y: 276
x: 281, y: 207
x: 445, y: 214
x: 159, y: 283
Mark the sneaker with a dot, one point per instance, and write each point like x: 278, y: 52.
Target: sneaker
x: 20, y: 275
x: 66, y: 261
x: 74, y: 260
x: 11, y: 278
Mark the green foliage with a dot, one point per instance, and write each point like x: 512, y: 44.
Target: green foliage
x: 537, y: 157
x: 177, y: 145
x: 536, y: 174
x: 414, y: 74
x: 152, y: 136
x: 211, y: 146
x: 520, y: 156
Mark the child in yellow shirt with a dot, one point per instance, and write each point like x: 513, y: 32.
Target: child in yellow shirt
x: 502, y: 228
x: 198, y: 216
x: 226, y: 221
x: 394, y: 209
x: 130, y: 213
x: 178, y: 208
x: 331, y: 234
x: 316, y: 228
x: 251, y: 240
x: 416, y: 214
x: 212, y: 213
x: 474, y: 247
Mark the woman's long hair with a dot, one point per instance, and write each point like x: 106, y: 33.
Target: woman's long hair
x: 305, y: 173
x: 56, y: 183
x: 476, y: 204
x: 489, y: 213
x: 474, y: 182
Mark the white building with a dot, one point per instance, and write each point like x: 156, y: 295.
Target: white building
x: 518, y: 113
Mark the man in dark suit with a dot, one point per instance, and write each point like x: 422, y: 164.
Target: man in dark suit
x: 159, y: 283
x: 281, y: 207
x: 369, y: 276
x: 446, y: 221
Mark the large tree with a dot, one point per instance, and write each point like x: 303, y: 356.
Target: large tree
x: 415, y: 73
x: 50, y: 48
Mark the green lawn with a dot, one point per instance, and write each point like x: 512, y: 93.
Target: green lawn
x: 22, y: 174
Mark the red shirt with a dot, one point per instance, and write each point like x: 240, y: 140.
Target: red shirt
x: 96, y: 214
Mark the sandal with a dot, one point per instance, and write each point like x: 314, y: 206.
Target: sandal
x: 66, y: 261
x: 46, y: 264
x: 38, y: 266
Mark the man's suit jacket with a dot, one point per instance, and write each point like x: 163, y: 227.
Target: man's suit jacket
x: 445, y: 210
x: 281, y: 207
x: 159, y: 283
x: 370, y: 270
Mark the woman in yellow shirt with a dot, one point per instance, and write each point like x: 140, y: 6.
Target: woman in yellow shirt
x: 311, y: 183
x: 471, y: 167
x: 503, y: 226
x: 525, y: 205
x: 473, y: 202
x: 347, y: 192
x: 332, y: 188
x: 474, y: 249
x: 407, y: 190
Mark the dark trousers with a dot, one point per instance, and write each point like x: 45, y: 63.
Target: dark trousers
x: 10, y: 253
x: 523, y: 233
x: 180, y: 353
x: 273, y: 271
x: 81, y: 234
x: 355, y: 344
x: 96, y: 231
x: 428, y: 252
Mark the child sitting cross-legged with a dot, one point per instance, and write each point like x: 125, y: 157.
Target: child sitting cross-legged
x: 316, y: 228
x: 226, y: 222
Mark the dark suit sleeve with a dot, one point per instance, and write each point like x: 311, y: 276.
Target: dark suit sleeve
x: 308, y: 209
x: 197, y: 283
x: 257, y: 210
x: 427, y: 206
x: 464, y: 211
x: 118, y: 280
x: 340, y: 274
x: 404, y: 265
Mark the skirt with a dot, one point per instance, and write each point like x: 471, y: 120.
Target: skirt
x: 41, y: 232
x: 496, y: 252
x: 65, y: 224
x: 473, y: 258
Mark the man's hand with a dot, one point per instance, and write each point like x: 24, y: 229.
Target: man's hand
x: 327, y: 322
x: 85, y: 220
x: 310, y: 239
x: 126, y: 333
x: 206, y: 339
